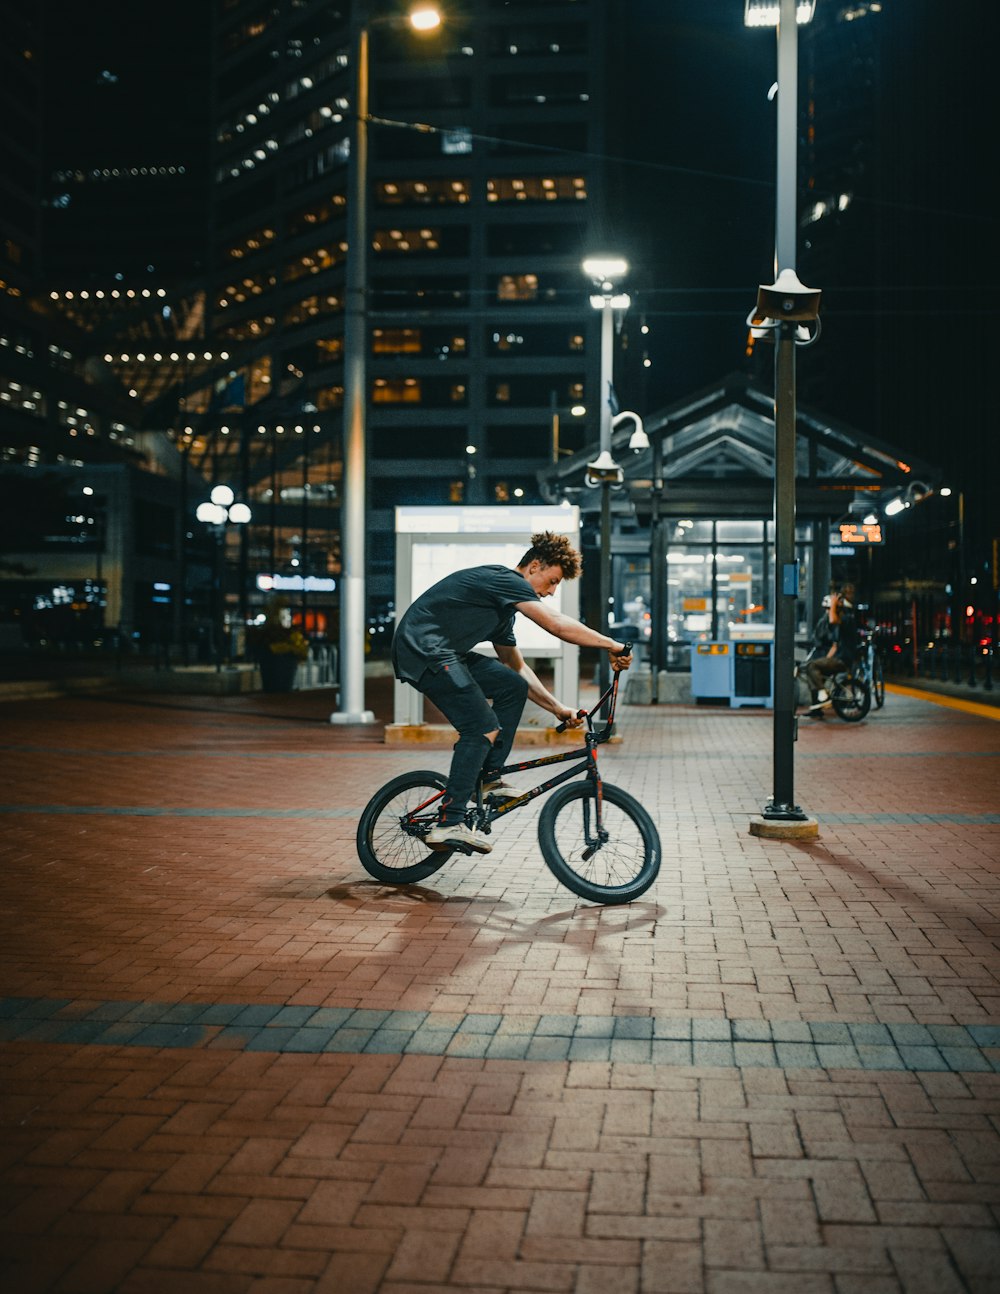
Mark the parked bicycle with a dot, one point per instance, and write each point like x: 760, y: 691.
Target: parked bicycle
x: 869, y: 668
x: 596, y: 839
x: 849, y: 693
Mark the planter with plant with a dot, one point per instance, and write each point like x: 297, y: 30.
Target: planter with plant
x: 277, y: 648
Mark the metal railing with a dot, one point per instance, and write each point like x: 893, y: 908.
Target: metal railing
x: 320, y: 668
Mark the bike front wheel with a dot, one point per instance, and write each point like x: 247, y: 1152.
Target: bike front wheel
x: 612, y: 865
x: 851, y: 699
x: 393, y: 826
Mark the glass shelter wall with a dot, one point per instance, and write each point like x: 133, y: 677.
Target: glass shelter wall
x: 717, y: 582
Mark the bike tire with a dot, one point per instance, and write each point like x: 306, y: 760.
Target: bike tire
x: 391, y: 853
x: 618, y: 871
x: 851, y: 699
x: 878, y: 683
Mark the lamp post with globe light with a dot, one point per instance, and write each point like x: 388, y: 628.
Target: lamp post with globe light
x: 218, y: 512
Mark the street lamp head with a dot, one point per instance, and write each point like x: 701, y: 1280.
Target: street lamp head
x: 425, y: 18
x: 240, y: 514
x: 604, y: 471
x: 765, y: 13
x: 212, y: 514
x: 605, y: 270
x: 617, y: 300
x: 786, y: 299
x: 222, y: 495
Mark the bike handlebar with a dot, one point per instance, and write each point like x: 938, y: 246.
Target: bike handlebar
x: 611, y: 691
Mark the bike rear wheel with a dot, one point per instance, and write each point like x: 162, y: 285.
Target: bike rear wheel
x: 852, y: 699
x: 393, y: 825
x: 614, y: 867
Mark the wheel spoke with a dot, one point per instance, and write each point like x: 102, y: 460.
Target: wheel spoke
x: 614, y: 862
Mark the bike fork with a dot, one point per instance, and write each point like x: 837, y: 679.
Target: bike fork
x: 599, y: 836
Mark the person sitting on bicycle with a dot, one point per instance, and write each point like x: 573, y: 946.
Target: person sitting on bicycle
x: 432, y: 651
x: 834, y: 646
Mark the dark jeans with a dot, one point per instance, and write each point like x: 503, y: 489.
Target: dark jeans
x: 819, y: 669
x: 460, y: 691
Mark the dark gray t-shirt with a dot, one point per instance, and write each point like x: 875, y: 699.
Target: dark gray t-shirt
x: 446, y: 622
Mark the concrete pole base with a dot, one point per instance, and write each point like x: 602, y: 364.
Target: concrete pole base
x: 360, y: 716
x: 784, y: 828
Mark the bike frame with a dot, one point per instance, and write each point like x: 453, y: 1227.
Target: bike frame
x: 487, y: 812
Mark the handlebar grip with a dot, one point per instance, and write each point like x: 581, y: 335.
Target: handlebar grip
x: 627, y: 651
x: 561, y: 727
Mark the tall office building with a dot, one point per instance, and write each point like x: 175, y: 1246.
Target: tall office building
x: 487, y: 186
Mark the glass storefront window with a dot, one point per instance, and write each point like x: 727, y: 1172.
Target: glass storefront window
x: 740, y: 532
x: 684, y: 530
x: 719, y: 580
x: 742, y: 596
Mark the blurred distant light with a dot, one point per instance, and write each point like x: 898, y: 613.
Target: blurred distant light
x: 425, y: 18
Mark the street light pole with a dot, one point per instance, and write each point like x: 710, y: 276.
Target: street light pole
x: 604, y: 272
x: 779, y: 308
x: 353, y: 618
x: 354, y: 480
x: 607, y: 382
x: 217, y: 515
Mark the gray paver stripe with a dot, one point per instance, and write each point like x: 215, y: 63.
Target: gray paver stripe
x: 437, y: 754
x: 657, y: 1040
x: 158, y: 811
x: 680, y: 815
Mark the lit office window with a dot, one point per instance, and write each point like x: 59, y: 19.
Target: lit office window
x: 421, y: 192
x: 404, y: 390
x: 517, y: 287
x: 533, y: 188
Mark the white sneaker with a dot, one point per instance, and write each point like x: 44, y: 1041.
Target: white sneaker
x: 457, y: 833
x: 822, y: 695
x: 502, y: 790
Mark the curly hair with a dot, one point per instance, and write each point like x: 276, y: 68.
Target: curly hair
x: 554, y: 550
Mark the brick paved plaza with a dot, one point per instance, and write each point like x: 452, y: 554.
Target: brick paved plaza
x: 232, y: 1063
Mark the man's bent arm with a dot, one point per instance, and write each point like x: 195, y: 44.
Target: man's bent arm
x: 512, y: 658
x: 568, y: 629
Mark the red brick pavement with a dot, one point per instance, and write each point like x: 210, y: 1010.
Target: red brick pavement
x: 220, y: 1168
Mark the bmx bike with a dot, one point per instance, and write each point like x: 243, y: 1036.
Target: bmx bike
x: 596, y: 839
x: 850, y: 695
x: 869, y: 668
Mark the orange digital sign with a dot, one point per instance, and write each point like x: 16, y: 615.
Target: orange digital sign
x: 860, y: 533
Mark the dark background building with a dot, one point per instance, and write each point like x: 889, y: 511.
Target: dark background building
x: 174, y: 241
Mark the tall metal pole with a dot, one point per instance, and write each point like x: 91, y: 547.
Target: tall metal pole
x: 607, y: 380
x: 786, y: 582
x: 782, y: 803
x: 657, y: 573
x: 353, y: 626
x: 786, y: 204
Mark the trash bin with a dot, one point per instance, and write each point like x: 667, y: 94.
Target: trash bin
x: 711, y: 671
x: 753, y: 674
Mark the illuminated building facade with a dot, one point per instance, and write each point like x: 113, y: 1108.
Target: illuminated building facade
x: 487, y: 188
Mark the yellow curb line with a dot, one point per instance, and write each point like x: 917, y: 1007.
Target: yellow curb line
x: 953, y: 702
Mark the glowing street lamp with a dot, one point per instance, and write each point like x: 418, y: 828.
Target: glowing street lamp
x: 353, y: 626
x: 217, y: 512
